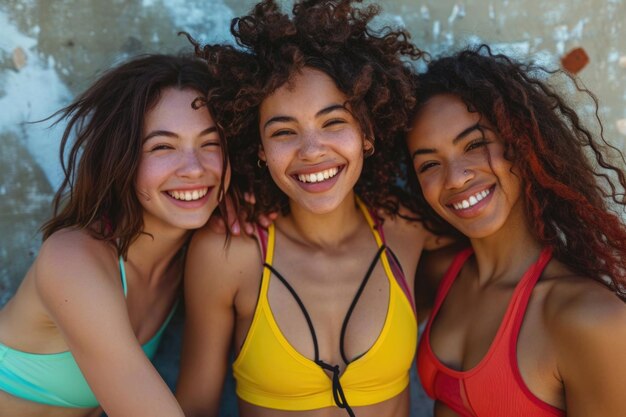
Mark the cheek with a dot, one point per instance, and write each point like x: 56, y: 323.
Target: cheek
x: 430, y: 189
x: 277, y: 157
x: 142, y: 178
x: 352, y: 141
x: 152, y: 172
x: 213, y: 161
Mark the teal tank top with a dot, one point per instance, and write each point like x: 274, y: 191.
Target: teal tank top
x: 55, y: 378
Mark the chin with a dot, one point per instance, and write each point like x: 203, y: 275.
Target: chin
x: 320, y: 207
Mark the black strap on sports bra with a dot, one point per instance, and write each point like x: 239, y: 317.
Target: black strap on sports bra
x: 338, y: 394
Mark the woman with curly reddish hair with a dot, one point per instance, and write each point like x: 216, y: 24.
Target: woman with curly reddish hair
x: 529, y: 320
x: 317, y: 308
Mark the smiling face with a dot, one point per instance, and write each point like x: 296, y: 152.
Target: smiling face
x: 312, y: 144
x: 459, y: 162
x: 181, y: 163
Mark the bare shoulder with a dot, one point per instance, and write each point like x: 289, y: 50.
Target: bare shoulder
x: 579, y: 308
x: 406, y: 227
x: 72, y: 259
x: 586, y: 325
x: 211, y: 258
x: 77, y: 277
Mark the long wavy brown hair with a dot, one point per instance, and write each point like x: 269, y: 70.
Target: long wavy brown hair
x: 370, y: 67
x: 100, y: 165
x: 573, y: 183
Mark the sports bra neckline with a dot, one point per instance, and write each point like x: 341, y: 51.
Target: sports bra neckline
x: 355, y: 362
x: 381, y: 254
x: 528, y: 276
x: 169, y: 316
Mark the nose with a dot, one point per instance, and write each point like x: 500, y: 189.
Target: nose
x: 190, y: 165
x: 457, y: 175
x: 311, y: 146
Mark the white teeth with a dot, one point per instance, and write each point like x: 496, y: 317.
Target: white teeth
x: 471, y: 201
x: 189, y: 195
x: 318, y: 176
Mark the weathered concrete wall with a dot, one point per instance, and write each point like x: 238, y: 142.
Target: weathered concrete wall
x: 51, y: 50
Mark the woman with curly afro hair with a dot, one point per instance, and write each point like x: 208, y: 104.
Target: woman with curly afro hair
x: 316, y: 307
x: 530, y: 320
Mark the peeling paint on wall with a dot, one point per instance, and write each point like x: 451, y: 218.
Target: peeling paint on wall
x: 42, y: 66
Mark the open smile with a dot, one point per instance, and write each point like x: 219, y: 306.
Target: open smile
x: 188, y: 195
x: 319, y: 176
x: 472, y: 200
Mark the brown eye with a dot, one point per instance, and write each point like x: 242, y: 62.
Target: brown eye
x: 477, y: 143
x: 334, y: 122
x: 283, y: 132
x: 160, y: 147
x: 211, y: 143
x: 426, y: 166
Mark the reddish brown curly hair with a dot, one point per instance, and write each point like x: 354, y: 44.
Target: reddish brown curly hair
x: 332, y: 36
x: 573, y: 193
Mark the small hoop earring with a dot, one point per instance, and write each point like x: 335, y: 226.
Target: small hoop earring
x: 261, y: 163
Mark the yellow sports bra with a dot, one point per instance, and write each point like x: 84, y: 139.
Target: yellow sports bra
x: 270, y: 373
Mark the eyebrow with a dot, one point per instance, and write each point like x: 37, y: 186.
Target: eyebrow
x: 458, y: 137
x: 169, y: 134
x: 323, y: 112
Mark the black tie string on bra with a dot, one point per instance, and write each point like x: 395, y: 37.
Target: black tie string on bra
x: 338, y: 394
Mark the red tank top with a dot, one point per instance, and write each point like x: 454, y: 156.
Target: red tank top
x: 494, y: 387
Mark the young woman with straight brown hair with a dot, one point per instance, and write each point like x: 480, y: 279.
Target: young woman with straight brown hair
x: 147, y: 167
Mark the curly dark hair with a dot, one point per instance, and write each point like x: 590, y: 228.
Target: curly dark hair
x: 369, y: 67
x: 572, y: 191
x: 98, y: 191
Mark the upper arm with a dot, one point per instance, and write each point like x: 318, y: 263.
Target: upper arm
x: 212, y: 276
x: 590, y: 338
x: 75, y: 285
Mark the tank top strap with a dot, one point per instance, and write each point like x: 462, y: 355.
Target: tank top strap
x: 527, y: 284
x: 262, y: 239
x: 267, y: 239
x: 448, y: 279
x: 123, y: 275
x: 373, y: 222
x: 390, y: 262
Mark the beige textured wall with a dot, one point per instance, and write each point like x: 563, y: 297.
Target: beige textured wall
x: 52, y: 49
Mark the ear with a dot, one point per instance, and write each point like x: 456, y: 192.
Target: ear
x: 261, y: 153
x: 368, y: 147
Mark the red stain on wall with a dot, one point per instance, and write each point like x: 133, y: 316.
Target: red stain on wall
x: 575, y: 60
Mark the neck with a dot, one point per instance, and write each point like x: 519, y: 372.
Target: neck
x: 327, y: 230
x: 152, y: 253
x: 505, y: 256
